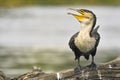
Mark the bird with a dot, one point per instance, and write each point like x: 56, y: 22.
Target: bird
x: 86, y: 40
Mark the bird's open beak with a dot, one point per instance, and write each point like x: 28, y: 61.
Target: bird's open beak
x: 79, y: 16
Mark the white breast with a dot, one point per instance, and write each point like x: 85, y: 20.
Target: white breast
x: 84, y: 42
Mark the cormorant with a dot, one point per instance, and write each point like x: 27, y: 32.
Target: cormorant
x: 85, y: 42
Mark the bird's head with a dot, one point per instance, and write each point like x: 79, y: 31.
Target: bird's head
x: 85, y: 16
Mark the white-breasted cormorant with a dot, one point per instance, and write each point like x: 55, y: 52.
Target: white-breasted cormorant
x: 85, y: 42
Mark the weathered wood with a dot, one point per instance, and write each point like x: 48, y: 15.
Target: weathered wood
x: 105, y: 71
x: 3, y: 76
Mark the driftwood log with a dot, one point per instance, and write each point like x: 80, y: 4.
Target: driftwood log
x: 105, y: 71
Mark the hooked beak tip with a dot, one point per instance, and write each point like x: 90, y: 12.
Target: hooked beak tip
x: 71, y: 9
x: 69, y: 13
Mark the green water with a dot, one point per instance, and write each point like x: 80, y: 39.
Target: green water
x: 17, y: 3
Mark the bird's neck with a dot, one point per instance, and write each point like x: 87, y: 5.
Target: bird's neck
x: 86, y: 28
x: 84, y: 41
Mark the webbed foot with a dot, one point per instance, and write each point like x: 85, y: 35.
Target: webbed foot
x: 92, y: 66
x: 78, y: 69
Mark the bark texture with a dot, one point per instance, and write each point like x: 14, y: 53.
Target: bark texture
x: 105, y: 71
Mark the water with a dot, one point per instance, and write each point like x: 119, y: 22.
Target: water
x: 33, y: 35
x: 51, y: 26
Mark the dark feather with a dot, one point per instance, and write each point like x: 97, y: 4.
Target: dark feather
x: 96, y: 35
x: 73, y: 47
x: 87, y: 56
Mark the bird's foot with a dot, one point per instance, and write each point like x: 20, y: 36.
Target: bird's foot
x: 78, y: 69
x: 92, y: 66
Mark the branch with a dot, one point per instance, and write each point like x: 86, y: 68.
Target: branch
x: 105, y: 71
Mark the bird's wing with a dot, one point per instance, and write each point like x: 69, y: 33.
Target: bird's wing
x: 96, y: 35
x: 73, y: 47
x: 96, y: 29
x: 71, y: 42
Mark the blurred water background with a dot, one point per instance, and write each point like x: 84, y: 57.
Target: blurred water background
x: 39, y: 36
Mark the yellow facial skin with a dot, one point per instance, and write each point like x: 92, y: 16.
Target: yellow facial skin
x: 79, y: 17
x: 84, y: 16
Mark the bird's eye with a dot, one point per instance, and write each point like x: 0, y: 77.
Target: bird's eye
x: 82, y: 12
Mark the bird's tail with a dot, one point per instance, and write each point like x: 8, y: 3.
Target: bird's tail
x: 86, y: 57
